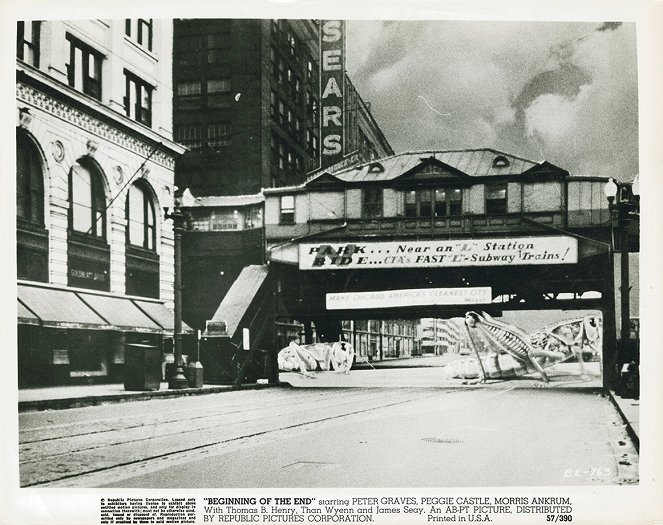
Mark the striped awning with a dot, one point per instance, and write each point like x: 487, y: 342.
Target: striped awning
x: 57, y: 307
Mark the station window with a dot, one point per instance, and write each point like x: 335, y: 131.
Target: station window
x: 226, y: 220
x: 371, y: 203
x: 441, y: 202
x: 287, y: 214
x: 496, y: 199
x: 254, y: 218
x: 448, y: 201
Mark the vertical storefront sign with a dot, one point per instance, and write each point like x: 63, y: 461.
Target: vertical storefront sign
x: 332, y: 90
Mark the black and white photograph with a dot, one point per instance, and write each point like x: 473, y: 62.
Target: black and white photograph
x: 292, y: 262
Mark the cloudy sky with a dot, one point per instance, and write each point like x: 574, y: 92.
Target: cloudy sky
x: 563, y: 92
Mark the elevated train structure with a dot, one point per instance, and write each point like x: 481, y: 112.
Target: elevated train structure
x: 438, y: 233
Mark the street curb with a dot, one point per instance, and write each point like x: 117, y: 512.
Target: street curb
x: 79, y: 402
x: 629, y: 429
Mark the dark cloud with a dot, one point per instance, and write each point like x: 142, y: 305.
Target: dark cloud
x: 609, y: 26
x: 566, y: 81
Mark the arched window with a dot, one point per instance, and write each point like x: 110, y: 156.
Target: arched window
x: 142, y: 260
x: 141, y: 220
x: 87, y: 213
x: 31, y: 233
x: 29, y: 181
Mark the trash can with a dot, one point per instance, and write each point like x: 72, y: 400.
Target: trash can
x: 195, y: 374
x: 142, y: 367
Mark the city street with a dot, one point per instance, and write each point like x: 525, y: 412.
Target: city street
x: 371, y: 428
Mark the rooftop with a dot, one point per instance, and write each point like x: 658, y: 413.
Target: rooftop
x: 480, y: 162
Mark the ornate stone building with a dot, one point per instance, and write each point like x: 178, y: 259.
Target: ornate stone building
x: 95, y: 170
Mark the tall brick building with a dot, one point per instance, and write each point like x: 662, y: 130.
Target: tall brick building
x: 247, y: 105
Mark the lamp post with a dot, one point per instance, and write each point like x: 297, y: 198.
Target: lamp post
x: 177, y: 379
x: 623, y: 204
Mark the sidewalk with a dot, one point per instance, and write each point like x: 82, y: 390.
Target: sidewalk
x: 629, y: 409
x: 61, y: 397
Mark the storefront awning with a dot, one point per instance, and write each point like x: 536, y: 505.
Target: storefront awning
x: 25, y: 316
x: 59, y: 308
x: 54, y: 307
x: 120, y: 313
x: 161, y: 315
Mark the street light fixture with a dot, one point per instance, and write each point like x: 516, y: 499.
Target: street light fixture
x: 623, y: 203
x: 177, y: 379
x: 610, y: 191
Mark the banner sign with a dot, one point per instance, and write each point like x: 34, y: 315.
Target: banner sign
x: 448, y: 253
x: 332, y: 91
x: 411, y: 297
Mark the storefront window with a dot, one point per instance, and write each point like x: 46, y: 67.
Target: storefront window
x: 87, y: 354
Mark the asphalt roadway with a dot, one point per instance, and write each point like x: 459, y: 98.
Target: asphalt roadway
x: 398, y: 427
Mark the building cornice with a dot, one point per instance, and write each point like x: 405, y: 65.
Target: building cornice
x: 44, y: 93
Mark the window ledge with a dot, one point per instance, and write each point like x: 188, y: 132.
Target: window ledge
x: 140, y: 48
x: 138, y: 251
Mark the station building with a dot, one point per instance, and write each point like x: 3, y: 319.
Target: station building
x: 95, y: 172
x: 436, y: 233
